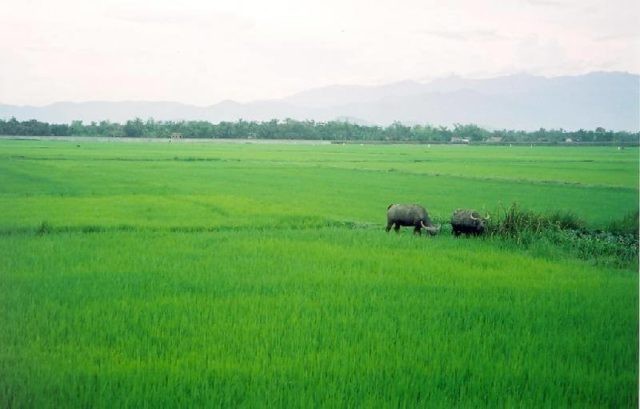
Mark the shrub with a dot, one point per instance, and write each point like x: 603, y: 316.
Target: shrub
x: 617, y: 245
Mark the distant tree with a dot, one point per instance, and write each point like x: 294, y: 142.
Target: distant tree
x: 471, y: 132
x: 397, y: 132
x: 76, y: 128
x: 59, y: 129
x: 134, y: 128
x: 294, y: 129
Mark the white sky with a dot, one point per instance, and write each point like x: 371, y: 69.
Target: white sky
x: 201, y: 52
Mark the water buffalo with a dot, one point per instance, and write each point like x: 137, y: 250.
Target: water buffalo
x: 410, y: 215
x: 468, y: 221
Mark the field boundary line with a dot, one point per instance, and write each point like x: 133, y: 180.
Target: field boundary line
x: 49, y: 229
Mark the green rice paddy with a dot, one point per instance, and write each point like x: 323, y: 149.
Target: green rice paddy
x: 260, y: 275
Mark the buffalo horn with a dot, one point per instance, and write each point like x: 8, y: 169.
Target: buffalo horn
x: 431, y: 229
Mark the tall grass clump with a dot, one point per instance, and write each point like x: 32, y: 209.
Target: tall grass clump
x: 44, y: 228
x: 627, y: 225
x: 564, y: 232
x: 523, y: 225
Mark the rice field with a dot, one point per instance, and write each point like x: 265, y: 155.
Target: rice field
x: 230, y: 275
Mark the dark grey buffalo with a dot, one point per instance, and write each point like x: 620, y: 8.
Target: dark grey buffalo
x: 410, y: 215
x: 467, y: 221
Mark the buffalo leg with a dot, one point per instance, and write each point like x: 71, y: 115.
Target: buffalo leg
x: 417, y: 231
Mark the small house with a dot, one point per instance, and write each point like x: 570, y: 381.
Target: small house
x: 458, y: 139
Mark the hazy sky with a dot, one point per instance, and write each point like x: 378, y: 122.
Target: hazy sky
x: 201, y: 52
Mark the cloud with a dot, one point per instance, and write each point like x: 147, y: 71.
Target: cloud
x: 546, y: 3
x: 199, y: 51
x: 180, y: 16
x: 469, y: 35
x: 618, y: 36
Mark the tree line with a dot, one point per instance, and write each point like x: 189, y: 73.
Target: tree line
x: 312, y: 130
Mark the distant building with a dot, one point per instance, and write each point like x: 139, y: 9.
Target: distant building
x: 176, y: 135
x: 494, y: 139
x: 568, y: 140
x: 458, y: 139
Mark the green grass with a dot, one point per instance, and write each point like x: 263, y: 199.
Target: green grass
x: 147, y: 185
x: 221, y: 275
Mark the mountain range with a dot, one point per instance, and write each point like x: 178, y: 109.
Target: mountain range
x: 600, y: 99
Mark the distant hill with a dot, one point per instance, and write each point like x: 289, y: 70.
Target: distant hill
x: 600, y: 99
